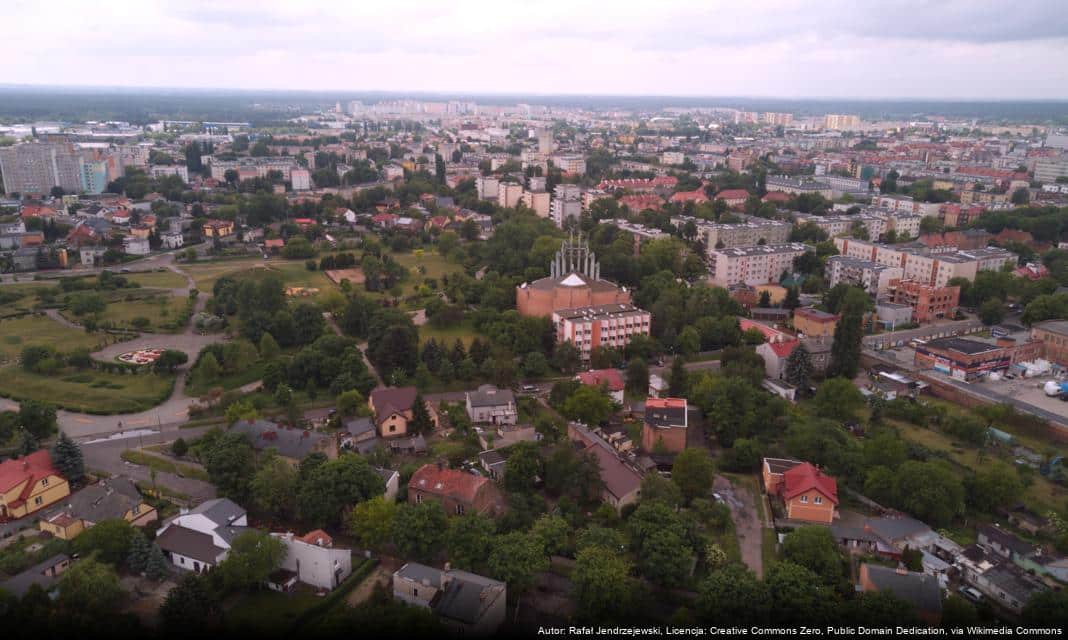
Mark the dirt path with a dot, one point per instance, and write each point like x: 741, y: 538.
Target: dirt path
x: 748, y: 524
x: 381, y: 575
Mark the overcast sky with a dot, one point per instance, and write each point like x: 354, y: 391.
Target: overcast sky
x: 983, y: 49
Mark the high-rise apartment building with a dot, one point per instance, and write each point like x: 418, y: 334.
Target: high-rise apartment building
x: 37, y: 167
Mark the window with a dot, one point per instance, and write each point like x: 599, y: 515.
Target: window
x: 804, y: 499
x: 392, y: 428
x: 818, y: 500
x: 415, y: 592
x: 38, y: 500
x: 44, y: 482
x: 418, y: 498
x: 459, y: 509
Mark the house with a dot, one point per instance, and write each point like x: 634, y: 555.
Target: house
x: 392, y: 409
x: 465, y: 603
x: 901, y: 532
x: 110, y: 499
x: 919, y: 589
x: 621, y: 484
x: 611, y: 379
x: 491, y: 405
x: 815, y: 323
x: 459, y: 492
x: 733, y: 197
x: 199, y: 539
x: 42, y: 574
x: 998, y: 579
x: 493, y: 463
x: 809, y: 495
x: 357, y: 431
x: 134, y: 246
x: 218, y: 228
x: 313, y: 560
x: 291, y: 443
x: 171, y: 239
x: 29, y: 484
x: 665, y: 425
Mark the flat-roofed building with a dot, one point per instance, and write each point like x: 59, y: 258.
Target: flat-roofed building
x: 928, y: 302
x: 607, y: 325
x: 750, y: 231
x: 753, y: 265
x: 871, y: 276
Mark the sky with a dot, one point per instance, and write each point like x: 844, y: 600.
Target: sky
x: 950, y: 49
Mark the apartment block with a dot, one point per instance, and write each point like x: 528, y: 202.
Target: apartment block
x: 608, y: 325
x: 753, y: 265
x: 935, y: 266
x: 869, y: 275
x: 37, y: 167
x: 751, y: 231
x: 928, y: 302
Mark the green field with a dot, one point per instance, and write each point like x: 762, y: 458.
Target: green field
x: 162, y: 310
x: 165, y: 279
x: 19, y: 333
x: 205, y: 274
x: 464, y: 331
x: 88, y: 391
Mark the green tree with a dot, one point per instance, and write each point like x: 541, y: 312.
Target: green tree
x: 273, y: 487
x: 208, y: 370
x: 602, y: 585
x: 179, y: 447
x: 679, y: 380
x: 929, y: 491
x: 798, y: 594
x: 523, y: 467
x: 191, y: 609
x: 692, y: 472
x: 637, y: 376
x: 516, y: 559
x: 230, y: 464
x: 567, y: 358
x: 993, y: 485
x: 140, y: 549
x: 992, y: 311
x: 67, y: 458
x: 815, y: 549
x: 732, y: 595
x: 469, y: 540
x: 371, y: 521
x: 744, y: 456
x: 418, y: 529
x: 269, y: 349
x: 799, y: 367
x: 351, y: 403
x: 848, y: 334
x: 109, y: 539
x: 157, y: 567
x: 90, y: 586
x: 253, y: 557
x: 335, y: 485
x: 421, y: 421
x: 838, y: 398
x: 1046, y: 609
x: 589, y: 405
x: 552, y: 533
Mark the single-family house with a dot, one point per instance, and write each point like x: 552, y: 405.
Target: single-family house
x: 809, y: 495
x: 311, y: 559
x: 666, y: 424
x: 620, y: 483
x: 392, y: 410
x: 29, y: 484
x: 919, y: 589
x: 293, y: 444
x: 457, y: 491
x: 488, y: 404
x: 610, y: 379
x: 465, y: 603
x: 110, y: 499
x: 199, y: 539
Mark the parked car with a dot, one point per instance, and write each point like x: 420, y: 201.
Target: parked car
x: 973, y: 594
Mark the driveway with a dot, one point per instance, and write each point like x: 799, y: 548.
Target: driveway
x: 748, y: 524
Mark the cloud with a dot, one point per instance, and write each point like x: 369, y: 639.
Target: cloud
x: 903, y: 48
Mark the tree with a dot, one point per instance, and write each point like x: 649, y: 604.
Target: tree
x: 179, y: 448
x: 469, y: 541
x: 350, y: 403
x: 567, y: 358
x: 930, y: 491
x: 90, y: 585
x: 190, y: 608
x: 637, y: 376
x: 371, y: 521
x: 230, y: 464
x: 992, y: 311
x: 140, y: 549
x: 799, y: 367
x: 692, y: 472
x: 732, y: 595
x: 157, y: 568
x: 170, y: 360
x: 109, y: 539
x: 838, y: 398
x: 589, y: 405
x: 516, y: 559
x: 334, y: 485
x: 1021, y: 196
x: 208, y: 370
x: 602, y: 583
x: 524, y: 466
x: 657, y: 488
x: 551, y: 532
x: 798, y: 594
x: 273, y: 487
x: 254, y: 556
x: 815, y: 549
x: 418, y: 529
x: 792, y: 299
x: 665, y: 558
x: 993, y: 485
x: 67, y: 458
x: 679, y: 379
x: 421, y: 422
x: 848, y: 334
x: 269, y: 348
x: 1046, y: 609
x: 37, y: 418
x: 765, y: 300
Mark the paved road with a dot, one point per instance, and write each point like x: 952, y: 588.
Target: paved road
x: 104, y: 454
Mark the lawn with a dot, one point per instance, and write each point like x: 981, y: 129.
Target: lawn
x: 160, y: 308
x: 464, y: 331
x: 165, y: 279
x: 269, y: 612
x: 164, y: 465
x: 88, y: 391
x: 227, y: 382
x: 18, y: 333
x: 205, y: 274
x: 293, y: 272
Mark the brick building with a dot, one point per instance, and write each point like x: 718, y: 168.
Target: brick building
x: 928, y: 302
x: 968, y: 359
x: 457, y: 491
x: 665, y: 425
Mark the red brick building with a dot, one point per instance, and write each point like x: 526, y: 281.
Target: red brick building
x: 457, y: 491
x: 969, y: 359
x: 928, y: 301
x: 665, y: 426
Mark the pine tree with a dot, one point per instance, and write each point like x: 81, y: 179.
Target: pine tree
x: 140, y: 549
x: 479, y: 351
x: 67, y: 456
x: 421, y: 422
x: 793, y: 298
x: 28, y: 443
x: 679, y: 379
x: 156, y: 567
x: 845, y: 350
x: 431, y: 355
x: 458, y: 353
x: 799, y: 367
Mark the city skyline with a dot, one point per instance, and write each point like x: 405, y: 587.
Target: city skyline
x: 907, y: 50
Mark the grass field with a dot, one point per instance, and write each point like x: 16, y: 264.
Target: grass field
x: 227, y: 382
x: 19, y: 333
x: 162, y: 310
x: 166, y: 279
x: 205, y: 274
x: 88, y: 391
x: 464, y: 331
x: 161, y: 464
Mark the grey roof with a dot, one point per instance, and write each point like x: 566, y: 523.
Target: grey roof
x: 892, y: 529
x: 1013, y: 581
x: 359, y: 426
x: 488, y: 395
x: 189, y: 543
x: 920, y: 589
x: 230, y: 533
x: 466, y: 598
x: 385, y: 474
x: 1012, y: 542
x: 21, y: 583
x: 420, y: 572
x: 290, y: 443
x: 221, y: 511
x: 1056, y: 326
x: 106, y: 500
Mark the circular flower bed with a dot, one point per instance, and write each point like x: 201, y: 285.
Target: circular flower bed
x: 141, y: 356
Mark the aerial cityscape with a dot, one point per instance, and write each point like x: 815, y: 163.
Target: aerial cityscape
x: 570, y: 319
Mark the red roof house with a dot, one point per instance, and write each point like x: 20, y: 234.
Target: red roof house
x: 458, y: 492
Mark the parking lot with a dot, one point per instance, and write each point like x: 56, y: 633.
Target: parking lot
x: 1028, y: 390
